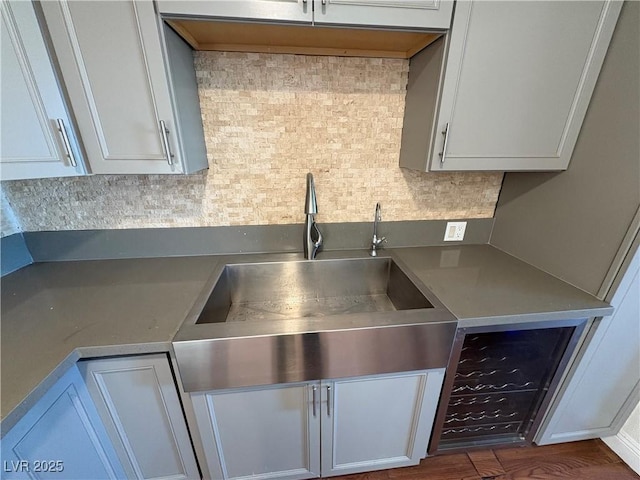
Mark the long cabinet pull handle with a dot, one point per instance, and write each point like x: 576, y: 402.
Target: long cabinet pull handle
x: 67, y: 144
x: 165, y: 142
x: 443, y: 154
x: 314, y: 390
x: 328, y: 400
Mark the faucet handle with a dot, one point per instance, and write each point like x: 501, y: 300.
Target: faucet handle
x: 317, y: 243
x: 378, y: 241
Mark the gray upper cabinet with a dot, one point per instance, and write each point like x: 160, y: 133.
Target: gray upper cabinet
x: 429, y: 14
x: 112, y: 57
x: 37, y: 136
x: 297, y: 11
x: 509, y: 88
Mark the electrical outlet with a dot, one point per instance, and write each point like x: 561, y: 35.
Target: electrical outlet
x: 455, y: 231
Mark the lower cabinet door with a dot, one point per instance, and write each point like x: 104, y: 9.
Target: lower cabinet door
x: 595, y: 398
x: 61, y: 437
x: 375, y: 423
x: 265, y: 432
x: 138, y: 401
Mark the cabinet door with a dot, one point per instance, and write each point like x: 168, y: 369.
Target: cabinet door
x: 61, y: 437
x: 299, y: 11
x: 31, y: 104
x: 519, y: 77
x: 594, y: 396
x: 138, y: 401
x: 428, y: 14
x: 265, y: 432
x: 378, y: 422
x: 112, y: 62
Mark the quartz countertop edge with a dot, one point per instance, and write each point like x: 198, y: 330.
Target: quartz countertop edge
x: 533, y: 317
x: 70, y: 360
x: 56, y: 313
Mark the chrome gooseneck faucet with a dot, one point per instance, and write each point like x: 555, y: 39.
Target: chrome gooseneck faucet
x: 312, y: 236
x: 375, y: 241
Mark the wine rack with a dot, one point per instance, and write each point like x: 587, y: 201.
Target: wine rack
x: 498, y: 382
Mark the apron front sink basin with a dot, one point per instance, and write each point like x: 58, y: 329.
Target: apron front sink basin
x: 267, y: 322
x: 319, y: 288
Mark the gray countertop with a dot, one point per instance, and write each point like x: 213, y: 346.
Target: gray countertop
x: 479, y: 284
x: 55, y: 313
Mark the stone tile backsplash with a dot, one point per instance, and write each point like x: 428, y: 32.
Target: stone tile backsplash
x: 268, y: 120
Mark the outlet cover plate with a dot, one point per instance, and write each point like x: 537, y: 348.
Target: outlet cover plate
x: 455, y: 231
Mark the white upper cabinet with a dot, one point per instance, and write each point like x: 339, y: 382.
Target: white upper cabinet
x: 518, y: 77
x: 429, y: 14
x: 112, y: 58
x: 298, y: 11
x: 422, y: 14
x: 37, y: 137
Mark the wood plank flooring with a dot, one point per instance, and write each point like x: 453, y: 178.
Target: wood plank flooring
x: 588, y: 460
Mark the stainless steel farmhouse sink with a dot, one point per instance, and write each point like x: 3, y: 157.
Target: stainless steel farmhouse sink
x: 265, y: 322
x: 282, y: 290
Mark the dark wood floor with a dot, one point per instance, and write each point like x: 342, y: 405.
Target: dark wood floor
x: 588, y: 460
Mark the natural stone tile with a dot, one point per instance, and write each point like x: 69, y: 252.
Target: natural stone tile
x: 268, y: 120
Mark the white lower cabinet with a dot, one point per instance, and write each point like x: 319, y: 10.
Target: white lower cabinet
x: 266, y: 432
x: 304, y: 430
x: 111, y: 418
x: 378, y: 422
x: 137, y: 399
x: 61, y: 436
x: 596, y: 398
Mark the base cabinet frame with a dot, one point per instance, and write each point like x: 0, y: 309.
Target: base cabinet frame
x: 137, y: 399
x: 61, y: 436
x: 329, y: 427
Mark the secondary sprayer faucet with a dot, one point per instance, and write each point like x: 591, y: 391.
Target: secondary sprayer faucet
x: 375, y: 241
x: 312, y: 236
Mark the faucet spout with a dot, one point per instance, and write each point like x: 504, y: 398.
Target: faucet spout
x: 312, y: 236
x: 375, y: 241
x: 310, y: 203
